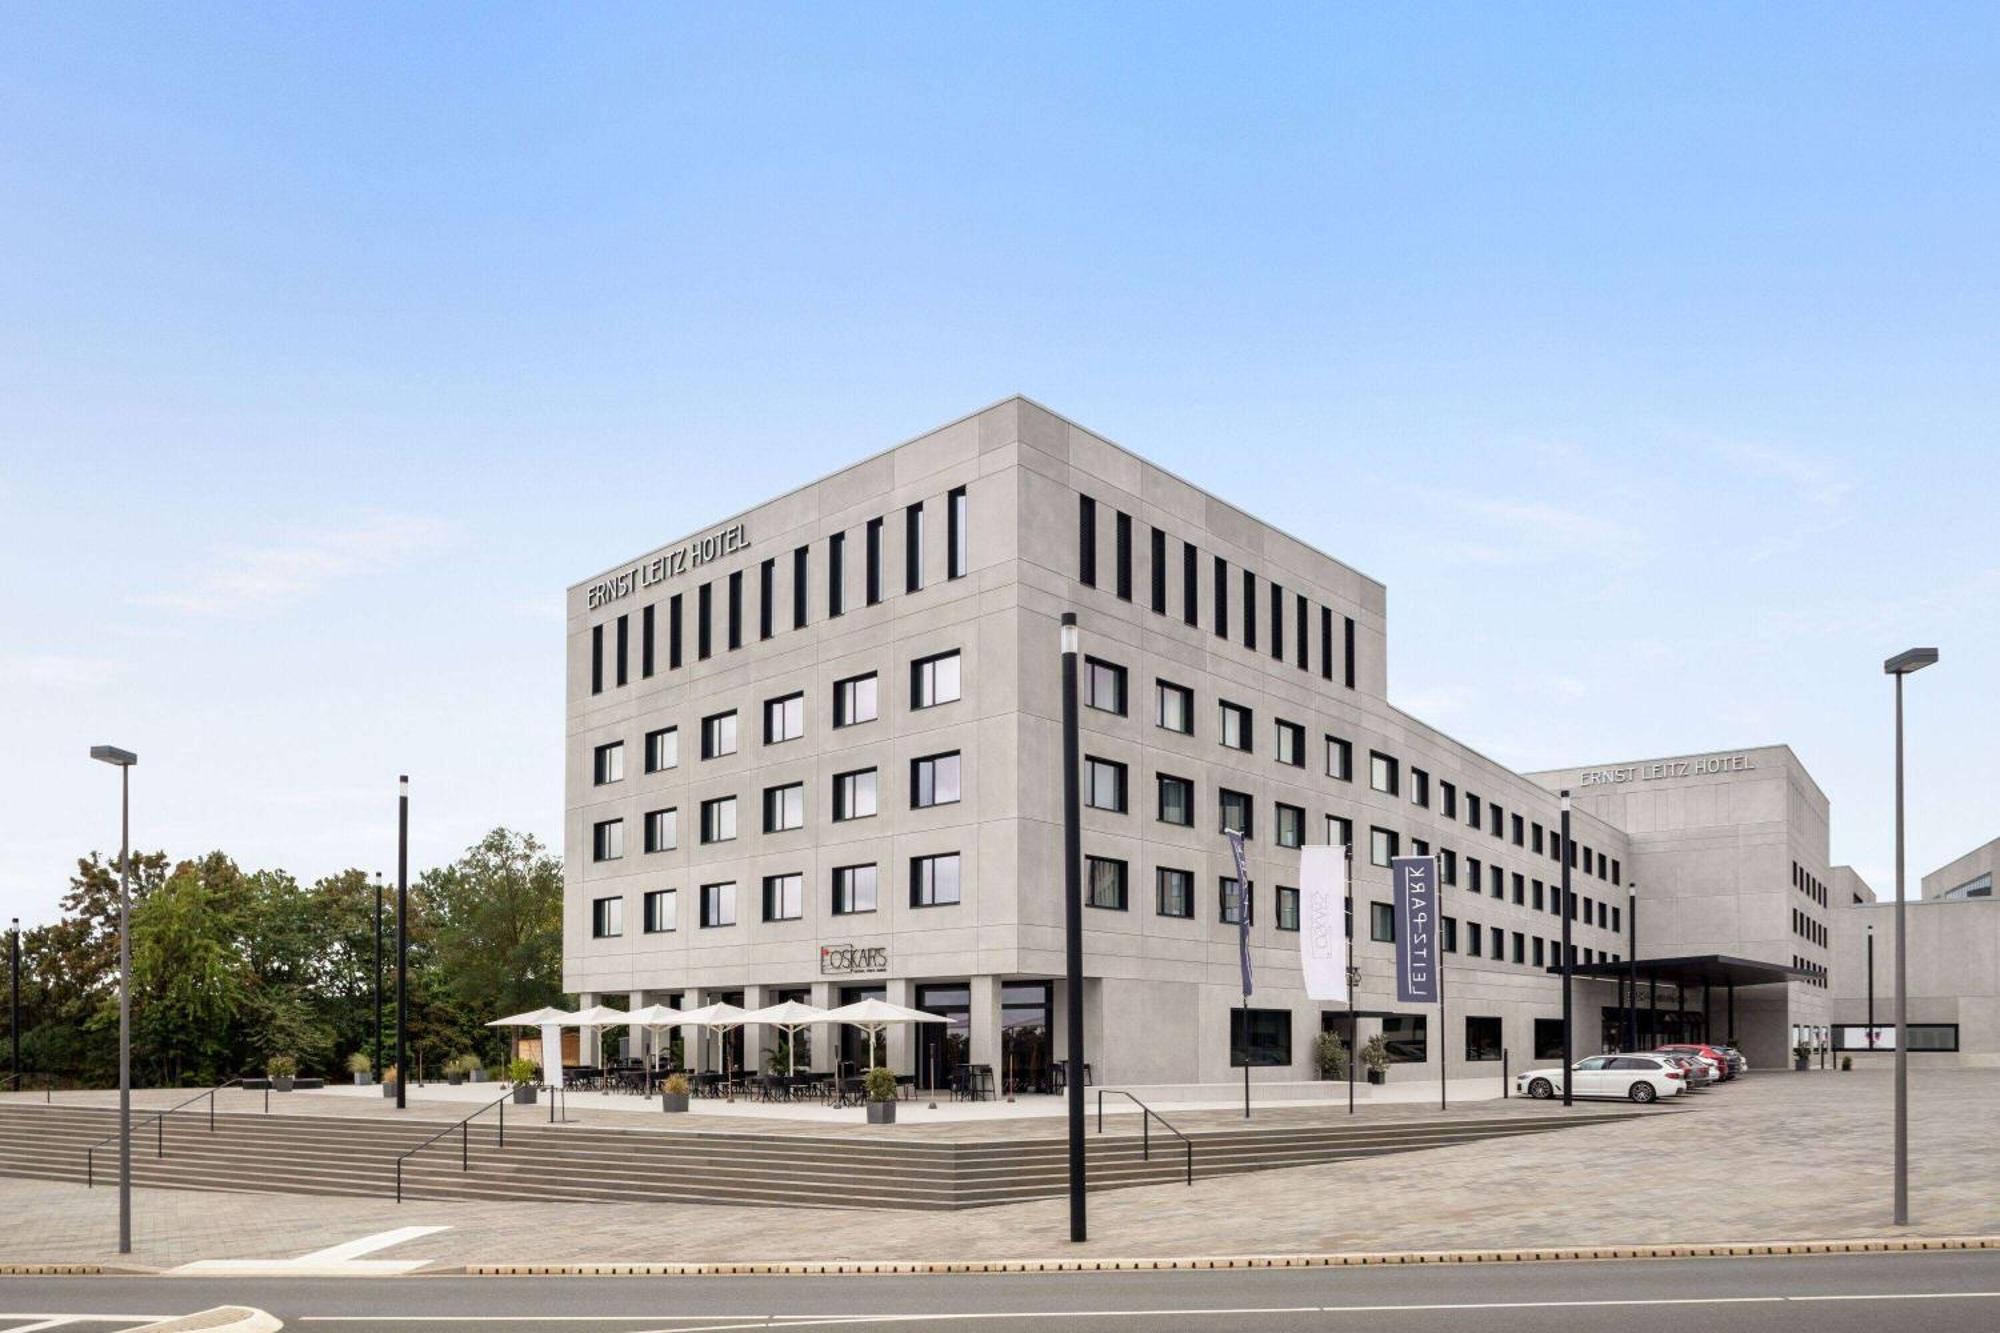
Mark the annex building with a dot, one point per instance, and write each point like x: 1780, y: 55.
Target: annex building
x: 814, y: 751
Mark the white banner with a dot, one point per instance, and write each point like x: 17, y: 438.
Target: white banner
x: 1323, y: 921
x: 552, y: 1073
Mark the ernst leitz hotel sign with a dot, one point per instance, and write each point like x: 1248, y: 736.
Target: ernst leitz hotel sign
x: 1704, y: 766
x: 669, y: 564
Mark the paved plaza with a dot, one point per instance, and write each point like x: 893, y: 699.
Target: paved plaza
x: 1775, y: 1156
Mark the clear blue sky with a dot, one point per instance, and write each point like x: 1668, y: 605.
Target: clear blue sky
x: 1648, y: 355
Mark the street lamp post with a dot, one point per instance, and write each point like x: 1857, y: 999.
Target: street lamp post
x: 1871, y: 987
x: 1899, y: 666
x: 1632, y: 967
x: 402, y: 938
x: 1073, y: 923
x: 378, y: 974
x: 123, y: 761
x: 1569, y: 1045
x: 14, y: 996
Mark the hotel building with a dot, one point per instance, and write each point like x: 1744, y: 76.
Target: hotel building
x: 814, y: 751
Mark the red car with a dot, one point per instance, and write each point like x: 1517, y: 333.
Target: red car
x: 1721, y: 1063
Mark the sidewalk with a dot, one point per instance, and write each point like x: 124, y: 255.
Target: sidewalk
x: 1771, y: 1157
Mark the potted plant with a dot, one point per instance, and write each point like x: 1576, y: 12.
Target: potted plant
x: 1330, y: 1054
x: 359, y: 1065
x: 1375, y: 1056
x: 281, y: 1069
x: 674, y: 1093
x: 1846, y: 1063
x: 880, y: 1085
x: 1802, y: 1057
x: 521, y: 1073
x: 454, y: 1070
x: 390, y: 1077
x: 475, y: 1069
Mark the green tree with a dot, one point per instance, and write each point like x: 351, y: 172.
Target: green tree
x: 494, y: 936
x: 191, y: 984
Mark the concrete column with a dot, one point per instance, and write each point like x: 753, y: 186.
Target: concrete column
x: 902, y: 1040
x: 985, y: 1033
x: 586, y: 1038
x: 825, y: 1036
x: 635, y: 1035
x: 755, y: 1035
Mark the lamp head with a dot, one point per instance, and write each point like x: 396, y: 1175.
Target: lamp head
x: 1910, y: 659
x: 111, y: 754
x: 1565, y: 800
x: 1069, y: 633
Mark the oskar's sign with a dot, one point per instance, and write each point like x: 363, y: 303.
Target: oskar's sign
x: 1701, y: 766
x: 839, y: 960
x: 669, y: 564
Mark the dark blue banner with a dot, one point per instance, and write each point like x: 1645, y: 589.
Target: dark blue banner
x: 1417, y: 961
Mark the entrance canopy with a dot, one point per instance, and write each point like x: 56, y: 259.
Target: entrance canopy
x: 1708, y: 969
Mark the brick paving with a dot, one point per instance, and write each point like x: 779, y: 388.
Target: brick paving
x: 1776, y: 1156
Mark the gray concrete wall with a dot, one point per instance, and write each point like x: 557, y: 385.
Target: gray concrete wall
x: 1965, y: 873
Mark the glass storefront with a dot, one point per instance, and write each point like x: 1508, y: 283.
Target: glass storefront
x: 1024, y: 1035
x: 943, y: 1047
x: 855, y: 1056
x: 801, y: 1038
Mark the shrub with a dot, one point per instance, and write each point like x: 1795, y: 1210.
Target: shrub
x: 677, y: 1084
x: 281, y: 1066
x: 1375, y: 1054
x: 463, y: 1065
x: 881, y: 1084
x: 391, y: 1074
x: 521, y: 1071
x: 359, y: 1063
x: 1330, y: 1054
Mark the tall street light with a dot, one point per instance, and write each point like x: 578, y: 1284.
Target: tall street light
x: 1899, y: 666
x: 1073, y: 922
x: 1632, y: 967
x: 14, y: 994
x: 1871, y: 986
x: 402, y: 937
x: 1569, y: 1045
x: 123, y: 761
x: 378, y: 974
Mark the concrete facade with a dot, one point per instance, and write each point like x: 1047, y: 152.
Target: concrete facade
x: 1970, y: 876
x: 1160, y: 573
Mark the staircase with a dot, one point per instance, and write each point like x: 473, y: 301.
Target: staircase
x: 294, y: 1154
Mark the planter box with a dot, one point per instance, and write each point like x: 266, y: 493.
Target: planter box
x: 524, y: 1094
x: 305, y: 1083
x: 453, y: 1080
x: 478, y: 1076
x: 1800, y: 1064
x: 256, y: 1084
x: 281, y: 1083
x: 1378, y: 1076
x: 388, y: 1089
x: 363, y: 1080
x: 881, y: 1113
x: 673, y: 1101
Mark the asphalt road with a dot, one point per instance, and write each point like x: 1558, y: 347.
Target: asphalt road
x: 1935, y: 1293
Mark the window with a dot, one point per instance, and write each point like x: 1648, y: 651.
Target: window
x: 1235, y: 811
x: 1086, y: 541
x: 853, y: 890
x: 704, y: 600
x: 1520, y: 948
x: 718, y: 905
x: 1482, y: 1038
x: 1291, y: 825
x: 913, y: 547
x: 1520, y: 889
x: 1519, y: 828
x: 836, y: 574
x: 1536, y: 950
x: 1447, y: 865
x: 1472, y: 810
x: 1496, y: 945
x: 1339, y: 759
x: 1535, y: 841
x: 934, y: 880
x: 957, y: 554
x: 1548, y: 1039
x: 1326, y: 642
x: 1349, y: 650
x: 674, y: 632
x: 1382, y: 923
x: 1176, y: 892
x: 1234, y: 902
x: 718, y: 735
x: 1122, y: 555
x: 1448, y: 934
x: 1473, y: 935
x: 607, y: 840
x: 1406, y: 1035
x: 1176, y: 801
x: 1249, y: 610
x: 608, y: 763
x: 663, y: 830
x: 1475, y: 880
x: 1260, y: 1037
x: 1158, y: 568
x: 934, y: 780
x: 1497, y: 821
x: 871, y: 581
x: 736, y: 610
x: 1448, y: 802
x: 624, y: 640
x: 784, y: 897
x: 1104, y: 883
x: 1381, y: 846
x: 662, y: 907
x: 718, y: 819
x: 854, y: 700
x: 1382, y: 775
x: 767, y: 587
x: 784, y: 719
x: 1278, y: 622
x: 800, y: 573
x: 1299, y: 639
x: 1339, y: 831
x: 1190, y: 584
x: 784, y: 807
x: 1236, y: 726
x: 1420, y: 788
x: 1104, y: 686
x: 1176, y: 708
x: 607, y: 918
x: 1496, y: 881
x: 1291, y: 744
x: 1221, y: 598
x: 1535, y: 894
x: 1104, y: 785
x: 934, y: 680
x: 1288, y: 908
x: 663, y: 749
x: 854, y: 794
x: 597, y: 659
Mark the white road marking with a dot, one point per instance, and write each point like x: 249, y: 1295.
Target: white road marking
x: 47, y: 1321
x: 341, y: 1260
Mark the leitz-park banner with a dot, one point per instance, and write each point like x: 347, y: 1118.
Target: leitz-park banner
x: 1416, y: 881
x: 1323, y: 921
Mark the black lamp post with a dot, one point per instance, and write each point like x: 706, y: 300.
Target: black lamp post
x: 1899, y: 666
x: 1632, y: 966
x: 1871, y: 987
x: 378, y: 974
x: 14, y: 1001
x: 402, y: 938
x: 1073, y: 922
x: 1569, y: 1043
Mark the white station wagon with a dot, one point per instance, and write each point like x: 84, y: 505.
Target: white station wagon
x: 1639, y: 1078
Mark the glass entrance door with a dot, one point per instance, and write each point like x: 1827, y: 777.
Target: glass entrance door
x: 943, y: 1047
x: 1024, y: 1035
x: 855, y: 1056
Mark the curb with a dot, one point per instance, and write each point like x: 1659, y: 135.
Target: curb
x: 1364, y: 1259
x: 77, y: 1270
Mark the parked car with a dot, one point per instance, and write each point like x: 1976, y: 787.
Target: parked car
x: 1639, y: 1078
x: 1699, y: 1073
x: 1705, y: 1052
x: 1737, y: 1063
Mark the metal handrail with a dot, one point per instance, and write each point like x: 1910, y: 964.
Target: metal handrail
x: 464, y: 1138
x: 159, y: 1122
x: 1147, y: 1116
x: 48, y: 1086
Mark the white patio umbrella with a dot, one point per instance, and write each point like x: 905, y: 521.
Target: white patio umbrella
x: 719, y: 1016
x: 653, y: 1017
x: 872, y: 1016
x: 551, y: 1021
x: 791, y: 1016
